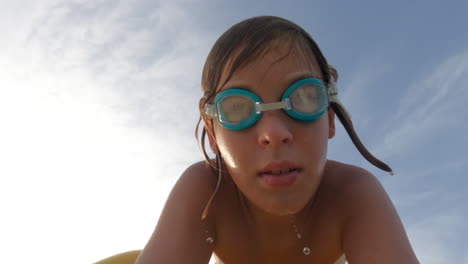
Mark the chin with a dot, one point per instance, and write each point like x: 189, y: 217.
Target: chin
x: 283, y: 209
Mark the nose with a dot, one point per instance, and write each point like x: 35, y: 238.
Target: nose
x: 273, y: 129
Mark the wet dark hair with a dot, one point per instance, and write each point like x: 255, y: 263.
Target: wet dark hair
x: 243, y: 43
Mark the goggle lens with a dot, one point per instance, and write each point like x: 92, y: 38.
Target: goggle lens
x: 305, y: 99
x: 235, y: 108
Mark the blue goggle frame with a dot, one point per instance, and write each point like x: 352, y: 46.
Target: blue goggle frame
x: 213, y: 110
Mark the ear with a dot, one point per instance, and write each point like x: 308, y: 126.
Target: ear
x: 210, y: 133
x: 331, y: 123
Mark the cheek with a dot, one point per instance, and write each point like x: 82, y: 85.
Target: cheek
x: 312, y: 144
x: 238, y: 157
x: 234, y: 146
x: 317, y: 143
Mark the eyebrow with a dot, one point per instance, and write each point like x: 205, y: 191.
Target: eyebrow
x: 301, y: 76
x: 295, y: 78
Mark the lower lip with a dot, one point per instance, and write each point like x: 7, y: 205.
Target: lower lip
x: 282, y: 180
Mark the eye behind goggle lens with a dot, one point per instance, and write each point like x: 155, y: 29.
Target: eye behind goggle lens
x: 305, y: 99
x: 309, y: 100
x: 234, y: 109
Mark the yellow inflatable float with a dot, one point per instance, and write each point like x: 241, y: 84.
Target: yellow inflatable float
x: 128, y: 257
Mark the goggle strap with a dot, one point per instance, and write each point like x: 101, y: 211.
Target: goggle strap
x: 210, y: 110
x: 332, y: 90
x: 285, y: 104
x: 333, y: 95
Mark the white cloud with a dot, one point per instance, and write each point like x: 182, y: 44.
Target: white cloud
x: 430, y: 106
x: 434, y: 238
x: 98, y: 102
x: 66, y: 159
x: 363, y: 81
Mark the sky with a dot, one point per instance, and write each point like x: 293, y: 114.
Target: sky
x: 99, y: 102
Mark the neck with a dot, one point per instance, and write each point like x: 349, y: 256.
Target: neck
x: 265, y: 224
x: 263, y: 218
x: 280, y: 233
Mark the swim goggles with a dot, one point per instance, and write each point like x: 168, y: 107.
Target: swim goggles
x: 305, y: 101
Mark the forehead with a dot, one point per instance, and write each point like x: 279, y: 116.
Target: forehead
x: 281, y: 62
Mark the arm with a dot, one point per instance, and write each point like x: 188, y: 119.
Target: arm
x: 373, y: 232
x: 179, y: 236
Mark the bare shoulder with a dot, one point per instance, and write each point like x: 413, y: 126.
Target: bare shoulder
x: 198, y: 178
x: 344, y: 184
x: 193, y: 188
x: 347, y: 177
x: 180, y: 228
x: 358, y: 190
x: 372, y: 231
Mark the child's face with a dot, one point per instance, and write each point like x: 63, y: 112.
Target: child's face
x: 276, y: 142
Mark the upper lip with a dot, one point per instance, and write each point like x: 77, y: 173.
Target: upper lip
x: 278, y: 165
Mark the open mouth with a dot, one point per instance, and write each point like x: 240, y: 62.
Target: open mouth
x: 278, y: 172
x: 280, y: 178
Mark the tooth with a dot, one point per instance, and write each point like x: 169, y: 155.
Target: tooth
x: 276, y: 172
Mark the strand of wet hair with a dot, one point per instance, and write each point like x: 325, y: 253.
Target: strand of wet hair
x: 216, y: 168
x: 348, y: 125
x: 220, y: 175
x: 201, y: 142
